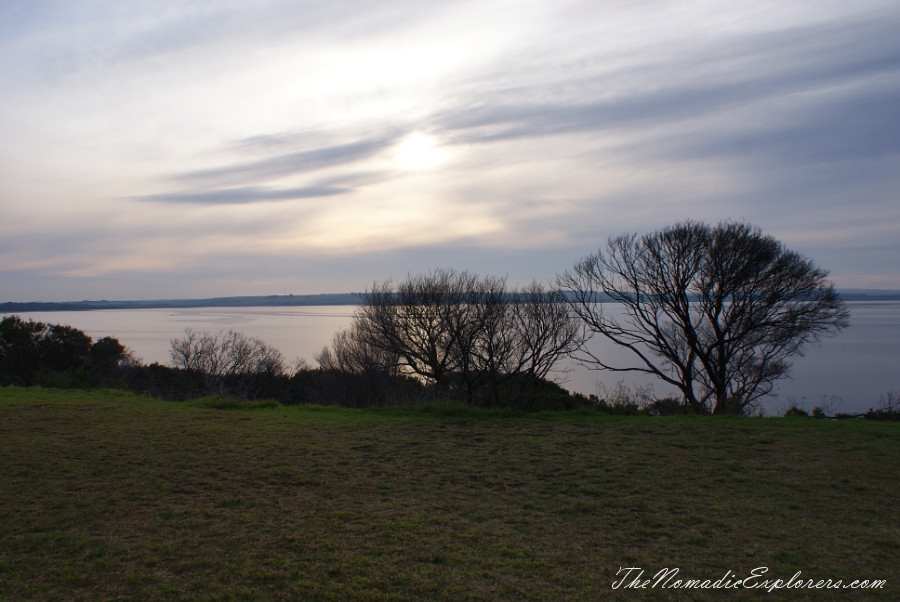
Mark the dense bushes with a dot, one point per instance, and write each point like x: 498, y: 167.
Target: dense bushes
x: 33, y: 353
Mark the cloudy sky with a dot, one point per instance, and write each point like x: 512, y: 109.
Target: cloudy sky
x: 198, y: 148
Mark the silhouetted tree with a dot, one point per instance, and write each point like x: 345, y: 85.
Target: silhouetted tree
x: 545, y: 330
x: 421, y: 320
x: 63, y: 348
x: 715, y: 311
x: 109, y: 358
x: 353, y: 372
x: 19, y: 350
x: 227, y: 362
x: 35, y: 352
x: 350, y: 353
x: 465, y: 335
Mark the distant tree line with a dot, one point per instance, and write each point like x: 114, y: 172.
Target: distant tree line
x: 255, y: 301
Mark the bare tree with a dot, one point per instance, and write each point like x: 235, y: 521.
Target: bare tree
x: 354, y: 372
x: 351, y: 354
x: 226, y: 357
x: 421, y: 320
x: 545, y: 330
x: 519, y: 338
x: 467, y: 335
x: 486, y: 344
x: 714, y: 311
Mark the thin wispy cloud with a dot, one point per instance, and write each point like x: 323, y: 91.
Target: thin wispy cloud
x: 282, y: 165
x: 318, y: 146
x: 242, y: 196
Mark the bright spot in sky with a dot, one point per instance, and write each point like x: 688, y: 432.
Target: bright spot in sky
x: 197, y: 148
x: 419, y: 152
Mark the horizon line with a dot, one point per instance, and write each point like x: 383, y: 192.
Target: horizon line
x: 290, y: 299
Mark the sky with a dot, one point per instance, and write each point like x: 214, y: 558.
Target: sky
x: 201, y: 148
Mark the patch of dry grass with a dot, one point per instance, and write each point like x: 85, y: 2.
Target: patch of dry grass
x: 106, y: 496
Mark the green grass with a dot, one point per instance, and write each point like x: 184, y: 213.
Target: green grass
x: 109, y: 496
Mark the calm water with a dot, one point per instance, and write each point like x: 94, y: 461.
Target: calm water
x: 850, y: 371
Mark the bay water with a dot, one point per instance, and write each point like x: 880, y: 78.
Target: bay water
x: 849, y: 372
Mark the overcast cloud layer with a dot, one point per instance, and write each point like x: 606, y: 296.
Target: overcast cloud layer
x: 193, y: 148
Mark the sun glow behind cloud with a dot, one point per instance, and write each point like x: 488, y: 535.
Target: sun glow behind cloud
x: 173, y: 138
x: 419, y: 152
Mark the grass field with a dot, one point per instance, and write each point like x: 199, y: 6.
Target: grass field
x: 108, y: 496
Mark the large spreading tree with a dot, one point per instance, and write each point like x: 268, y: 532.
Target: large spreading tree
x: 715, y: 311
x: 460, y: 331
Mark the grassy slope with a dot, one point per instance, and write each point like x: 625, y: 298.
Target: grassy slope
x: 103, y: 495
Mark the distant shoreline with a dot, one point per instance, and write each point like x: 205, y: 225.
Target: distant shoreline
x: 292, y: 301
x: 248, y: 301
